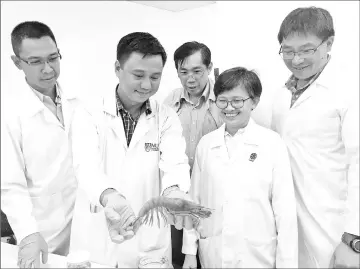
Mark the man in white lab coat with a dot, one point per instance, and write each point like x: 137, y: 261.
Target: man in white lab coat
x: 38, y: 185
x: 314, y: 116
x: 127, y: 152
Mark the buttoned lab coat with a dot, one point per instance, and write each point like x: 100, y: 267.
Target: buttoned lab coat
x: 254, y: 220
x: 103, y: 159
x: 321, y: 132
x: 38, y: 184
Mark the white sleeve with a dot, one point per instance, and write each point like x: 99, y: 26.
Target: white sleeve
x: 284, y: 207
x: 15, y: 198
x: 87, y: 135
x: 173, y: 159
x: 350, y: 137
x: 190, y: 237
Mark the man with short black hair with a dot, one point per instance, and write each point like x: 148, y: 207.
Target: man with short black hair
x: 195, y: 105
x: 195, y: 101
x: 38, y: 185
x: 126, y: 153
x: 320, y: 125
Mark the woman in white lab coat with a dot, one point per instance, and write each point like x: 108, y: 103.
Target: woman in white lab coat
x: 242, y: 171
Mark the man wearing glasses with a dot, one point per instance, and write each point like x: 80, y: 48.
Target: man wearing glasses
x: 194, y: 104
x: 320, y: 127
x: 38, y: 183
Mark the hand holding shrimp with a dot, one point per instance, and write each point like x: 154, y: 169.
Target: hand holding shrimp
x: 174, y: 208
x: 176, y: 211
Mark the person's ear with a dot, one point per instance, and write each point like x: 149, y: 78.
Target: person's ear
x: 209, y: 68
x: 16, y: 61
x: 117, y: 68
x: 329, y: 43
x: 255, y: 102
x: 178, y: 71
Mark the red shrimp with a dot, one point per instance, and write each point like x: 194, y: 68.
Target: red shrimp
x: 163, y: 206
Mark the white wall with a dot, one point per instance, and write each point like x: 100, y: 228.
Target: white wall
x: 248, y: 37
x: 239, y: 33
x: 87, y: 34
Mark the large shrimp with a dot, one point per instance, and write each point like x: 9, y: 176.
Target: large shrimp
x: 162, y: 206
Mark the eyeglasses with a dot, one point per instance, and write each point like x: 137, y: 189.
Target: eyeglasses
x: 289, y: 55
x: 198, y: 73
x: 236, y: 103
x: 41, y: 61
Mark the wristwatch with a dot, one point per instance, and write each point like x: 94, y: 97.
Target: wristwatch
x: 352, y: 241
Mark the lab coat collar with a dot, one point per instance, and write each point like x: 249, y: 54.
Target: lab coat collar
x: 33, y: 104
x: 326, y: 79
x: 328, y: 76
x: 251, y: 135
x: 109, y: 106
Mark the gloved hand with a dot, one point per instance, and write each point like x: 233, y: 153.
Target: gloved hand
x: 119, y: 216
x: 180, y: 222
x: 190, y: 261
x: 29, y: 251
x: 344, y: 257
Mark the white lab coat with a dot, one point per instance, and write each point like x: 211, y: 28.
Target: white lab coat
x: 38, y: 184
x: 103, y: 159
x: 321, y: 132
x: 254, y: 223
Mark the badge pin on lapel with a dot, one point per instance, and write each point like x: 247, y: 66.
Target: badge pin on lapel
x: 252, y: 157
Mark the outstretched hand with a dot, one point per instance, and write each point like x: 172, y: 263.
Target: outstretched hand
x: 119, y: 217
x: 29, y: 251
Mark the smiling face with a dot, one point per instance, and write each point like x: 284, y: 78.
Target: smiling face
x: 139, y: 77
x: 236, y: 118
x: 41, y: 77
x: 305, y: 67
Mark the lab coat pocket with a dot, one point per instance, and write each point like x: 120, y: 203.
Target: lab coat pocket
x: 89, y: 231
x: 255, y: 242
x: 98, y: 241
x: 151, y: 237
x: 322, y: 126
x: 49, y: 213
x: 261, y: 253
x: 210, y: 252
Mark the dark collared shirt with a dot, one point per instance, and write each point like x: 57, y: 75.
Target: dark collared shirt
x: 128, y: 121
x: 292, y: 83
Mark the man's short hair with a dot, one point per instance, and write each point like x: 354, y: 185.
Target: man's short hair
x: 238, y: 76
x: 29, y: 29
x: 189, y: 48
x: 140, y: 42
x: 309, y: 20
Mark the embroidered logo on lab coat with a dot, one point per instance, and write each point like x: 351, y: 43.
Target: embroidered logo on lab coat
x: 252, y: 157
x: 151, y: 147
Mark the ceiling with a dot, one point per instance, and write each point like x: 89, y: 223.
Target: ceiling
x: 175, y: 6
